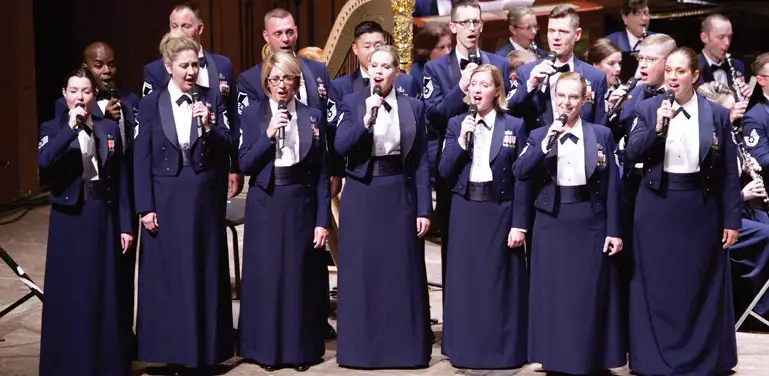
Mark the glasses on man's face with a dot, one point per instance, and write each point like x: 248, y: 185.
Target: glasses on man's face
x: 532, y: 28
x: 275, y: 81
x: 649, y: 60
x: 467, y: 23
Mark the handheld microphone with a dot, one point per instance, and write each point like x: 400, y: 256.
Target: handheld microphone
x: 282, y: 130
x: 473, y: 57
x: 670, y: 95
x: 472, y: 111
x: 551, y: 141
x: 631, y: 83
x: 551, y: 56
x: 196, y: 99
x: 111, y: 90
x: 80, y: 119
x: 375, y: 110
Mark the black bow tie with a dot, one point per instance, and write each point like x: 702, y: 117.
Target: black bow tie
x: 723, y: 66
x: 202, y: 61
x: 652, y: 92
x: 569, y: 136
x: 681, y: 110
x: 483, y: 122
x: 184, y: 98
x: 562, y: 69
x: 387, y: 106
x: 366, y: 82
x: 464, y: 62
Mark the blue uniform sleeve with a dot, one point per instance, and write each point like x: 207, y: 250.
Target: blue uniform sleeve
x: 125, y: 210
x: 53, y: 143
x: 756, y: 142
x: 334, y: 160
x: 349, y: 132
x: 143, y: 187
x: 230, y: 115
x: 150, y: 83
x: 218, y: 133
x: 256, y: 148
x: 529, y: 160
x: 523, y: 202
x: 323, y: 217
x: 732, y: 199
x: 643, y: 141
x: 453, y: 155
x: 599, y: 107
x: 424, y: 193
x: 613, y: 226
x: 442, y: 102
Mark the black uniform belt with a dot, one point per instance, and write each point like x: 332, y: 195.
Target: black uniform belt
x: 186, y: 156
x: 682, y: 182
x: 386, y: 166
x: 480, y: 191
x: 291, y: 175
x: 93, y: 190
x: 573, y: 194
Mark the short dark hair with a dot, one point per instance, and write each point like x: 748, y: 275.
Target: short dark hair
x: 632, y: 6
x: 368, y: 27
x: 464, y: 3
x: 565, y: 11
x: 426, y: 38
x: 707, y: 23
x: 79, y: 72
x: 192, y: 6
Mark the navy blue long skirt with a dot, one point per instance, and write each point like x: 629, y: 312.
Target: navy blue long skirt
x: 184, y: 307
x: 575, y: 318
x: 84, y: 331
x: 382, y: 306
x: 681, y: 318
x: 486, y: 304
x: 282, y: 308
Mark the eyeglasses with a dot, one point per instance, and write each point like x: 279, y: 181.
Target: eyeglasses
x: 648, y: 60
x: 467, y: 23
x: 275, y: 81
x: 533, y: 28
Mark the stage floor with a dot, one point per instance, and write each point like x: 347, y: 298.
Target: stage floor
x: 25, y: 240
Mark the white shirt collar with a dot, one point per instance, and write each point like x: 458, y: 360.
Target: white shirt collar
x: 516, y: 45
x: 766, y: 96
x: 710, y: 62
x: 490, y: 118
x: 577, y: 129
x: 632, y: 39
x: 690, y: 106
x: 390, y: 98
x: 571, y: 63
x: 363, y: 73
x: 201, y: 53
x: 290, y: 106
x: 175, y: 92
x: 460, y: 56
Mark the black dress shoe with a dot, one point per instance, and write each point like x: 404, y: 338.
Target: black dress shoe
x: 301, y: 367
x: 330, y: 334
x: 268, y: 368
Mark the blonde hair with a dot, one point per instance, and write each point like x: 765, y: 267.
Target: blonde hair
x: 715, y: 91
x: 285, y: 62
x: 666, y: 42
x: 573, y: 76
x: 174, y: 43
x: 500, y: 102
x: 516, y: 13
x: 390, y: 50
x: 312, y: 53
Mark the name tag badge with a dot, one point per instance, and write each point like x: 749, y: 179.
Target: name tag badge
x: 224, y: 87
x: 601, y: 157
x: 322, y: 93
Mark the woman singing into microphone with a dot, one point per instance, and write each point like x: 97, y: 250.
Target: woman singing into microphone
x: 383, y: 307
x: 181, y: 166
x: 84, y: 331
x: 283, y: 309
x: 575, y: 318
x: 687, y: 214
x: 487, y: 270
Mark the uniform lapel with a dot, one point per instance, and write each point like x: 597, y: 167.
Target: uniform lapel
x: 705, y: 116
x: 213, y: 73
x: 265, y: 115
x: 357, y: 81
x: 408, y: 124
x: 310, y: 86
x: 551, y: 160
x: 591, y: 149
x: 167, y: 117
x: 624, y: 42
x: 454, y: 72
x: 497, y: 136
x: 303, y: 128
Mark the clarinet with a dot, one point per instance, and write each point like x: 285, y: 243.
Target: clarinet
x: 746, y: 160
x: 735, y: 77
x: 644, y: 32
x: 533, y: 48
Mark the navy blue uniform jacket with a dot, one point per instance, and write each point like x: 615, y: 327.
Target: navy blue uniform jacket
x: 620, y: 39
x: 257, y: 153
x: 156, y: 147
x: 219, y: 74
x: 355, y: 142
x: 353, y: 83
x: 755, y: 128
x: 718, y: 154
x: 321, y: 94
x: 706, y: 74
x: 442, y: 95
x: 535, y: 107
x: 505, y: 50
x: 601, y: 171
x: 508, y: 138
x: 60, y: 159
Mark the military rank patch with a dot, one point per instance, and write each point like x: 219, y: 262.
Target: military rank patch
x: 427, y: 82
x: 331, y: 111
x: 752, y: 140
x: 225, y: 119
x: 242, y: 102
x: 146, y: 88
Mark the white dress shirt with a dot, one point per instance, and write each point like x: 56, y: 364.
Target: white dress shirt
x: 633, y: 41
x: 480, y: 169
x: 682, y: 146
x: 182, y: 115
x: 302, y: 93
x: 387, y: 131
x: 89, y: 154
x: 364, y: 75
x: 517, y: 46
x: 289, y: 154
x: 203, y: 79
x: 121, y: 123
x: 718, y: 75
x: 571, y: 157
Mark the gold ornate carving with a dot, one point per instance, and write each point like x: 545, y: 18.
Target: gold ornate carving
x: 403, y: 31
